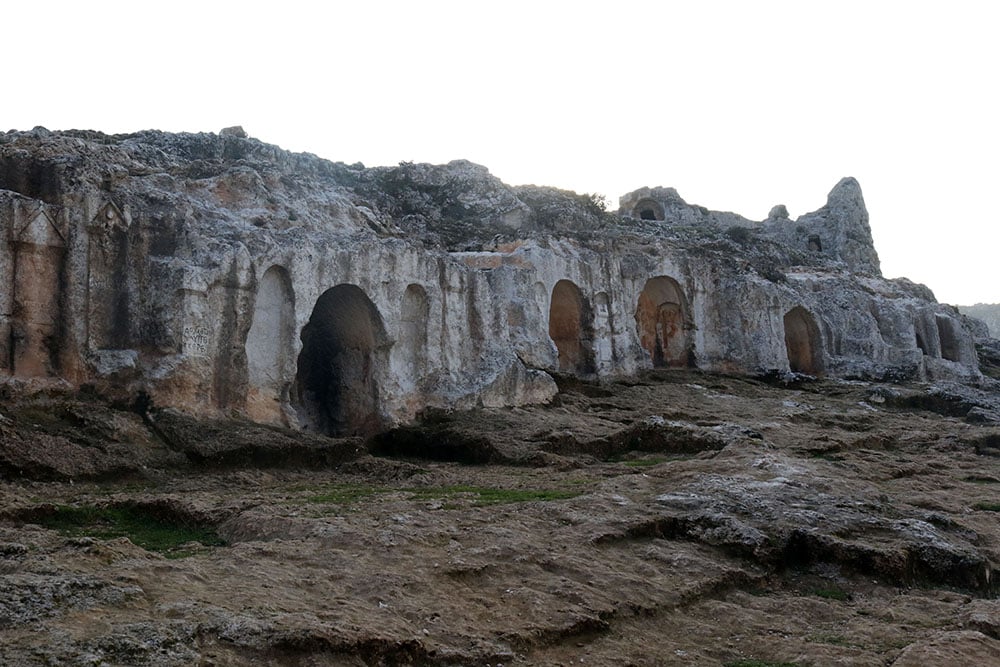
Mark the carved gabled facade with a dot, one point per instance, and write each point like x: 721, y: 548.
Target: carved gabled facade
x: 218, y: 274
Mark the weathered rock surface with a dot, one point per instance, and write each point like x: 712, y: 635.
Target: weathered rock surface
x: 678, y: 518
x: 658, y: 475
x: 219, y: 275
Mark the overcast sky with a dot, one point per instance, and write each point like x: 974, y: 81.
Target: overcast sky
x: 738, y: 105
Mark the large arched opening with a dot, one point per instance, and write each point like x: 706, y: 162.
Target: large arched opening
x: 571, y: 328
x: 269, y: 346
x: 343, y: 346
x: 803, y: 342
x: 661, y: 319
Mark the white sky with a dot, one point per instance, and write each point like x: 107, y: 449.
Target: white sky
x: 738, y: 105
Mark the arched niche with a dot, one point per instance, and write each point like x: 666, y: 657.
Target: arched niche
x: 36, y: 317
x: 571, y: 328
x: 412, y: 344
x: 803, y: 342
x: 110, y: 317
x: 661, y: 319
x: 648, y: 209
x: 343, y: 352
x: 270, y: 347
x: 603, y: 332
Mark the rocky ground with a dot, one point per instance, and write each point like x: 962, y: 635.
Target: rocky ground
x: 684, y: 518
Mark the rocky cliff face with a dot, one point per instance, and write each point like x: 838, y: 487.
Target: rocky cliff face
x: 220, y: 274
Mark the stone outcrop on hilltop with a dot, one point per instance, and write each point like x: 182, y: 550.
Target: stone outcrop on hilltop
x: 219, y: 274
x: 988, y: 313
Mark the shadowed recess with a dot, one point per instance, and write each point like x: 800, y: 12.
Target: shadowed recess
x: 342, y: 348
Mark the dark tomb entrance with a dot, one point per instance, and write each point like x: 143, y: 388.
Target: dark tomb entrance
x: 343, y: 347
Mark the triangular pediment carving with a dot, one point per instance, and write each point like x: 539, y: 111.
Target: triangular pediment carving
x: 109, y: 217
x: 41, y: 230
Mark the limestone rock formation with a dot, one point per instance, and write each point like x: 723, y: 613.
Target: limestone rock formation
x: 221, y: 275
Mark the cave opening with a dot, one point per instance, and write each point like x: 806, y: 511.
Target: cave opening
x: 803, y: 342
x: 648, y: 209
x: 661, y: 318
x: 571, y: 328
x: 343, y: 349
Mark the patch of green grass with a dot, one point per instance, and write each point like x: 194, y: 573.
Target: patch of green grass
x: 987, y: 507
x: 759, y: 663
x: 833, y: 593
x: 142, y: 527
x: 645, y: 463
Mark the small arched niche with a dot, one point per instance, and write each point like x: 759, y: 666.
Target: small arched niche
x: 270, y: 346
x: 648, y: 209
x: 661, y: 319
x: 414, y: 314
x: 571, y: 328
x: 39, y: 260
x: 803, y: 342
x: 603, y: 332
x: 343, y: 352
